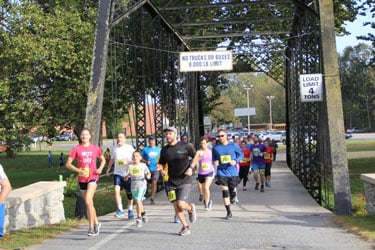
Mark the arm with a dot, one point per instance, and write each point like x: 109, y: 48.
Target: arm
x: 69, y: 165
x: 5, y: 189
x: 102, y: 164
x: 110, y: 163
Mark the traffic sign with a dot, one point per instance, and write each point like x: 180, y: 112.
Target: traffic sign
x: 311, y: 86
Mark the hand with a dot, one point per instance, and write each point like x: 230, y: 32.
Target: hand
x: 189, y: 172
x: 107, y: 172
x: 216, y: 163
x: 99, y: 170
x: 159, y: 167
x: 233, y: 162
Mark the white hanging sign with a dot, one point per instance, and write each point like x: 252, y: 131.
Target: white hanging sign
x: 311, y: 86
x: 206, y: 61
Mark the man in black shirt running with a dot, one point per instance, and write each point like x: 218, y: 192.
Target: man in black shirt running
x: 176, y: 155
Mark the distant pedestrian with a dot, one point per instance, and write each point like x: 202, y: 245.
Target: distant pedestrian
x: 176, y: 155
x: 274, y: 146
x: 244, y: 165
x: 49, y: 159
x: 268, y: 158
x: 258, y: 166
x: 61, y: 162
x: 86, y: 155
x: 138, y: 173
x: 107, y: 156
x: 5, y: 188
x: 226, y: 156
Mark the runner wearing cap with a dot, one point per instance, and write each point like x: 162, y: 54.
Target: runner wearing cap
x: 176, y: 155
x: 150, y: 156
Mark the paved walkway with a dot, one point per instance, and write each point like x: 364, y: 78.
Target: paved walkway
x: 284, y: 217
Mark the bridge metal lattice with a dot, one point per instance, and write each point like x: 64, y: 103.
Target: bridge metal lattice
x: 281, y: 38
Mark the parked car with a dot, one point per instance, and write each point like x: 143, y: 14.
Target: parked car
x: 275, y: 135
x: 62, y: 137
x: 354, y: 130
x: 348, y: 135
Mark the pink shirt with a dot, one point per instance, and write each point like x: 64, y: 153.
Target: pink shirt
x: 205, y: 162
x: 86, y: 159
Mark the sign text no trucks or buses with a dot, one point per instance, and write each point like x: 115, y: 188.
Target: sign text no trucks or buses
x: 206, y: 61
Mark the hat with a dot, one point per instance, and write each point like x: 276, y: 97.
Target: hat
x: 151, y: 138
x: 173, y: 129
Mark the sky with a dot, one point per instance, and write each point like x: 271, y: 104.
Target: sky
x: 356, y: 29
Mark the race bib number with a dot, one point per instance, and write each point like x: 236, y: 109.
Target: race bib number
x: 120, y: 163
x: 267, y: 156
x: 172, y: 195
x: 135, y: 171
x: 87, y: 172
x: 225, y: 158
x: 205, y: 166
x: 262, y: 171
x: 244, y: 160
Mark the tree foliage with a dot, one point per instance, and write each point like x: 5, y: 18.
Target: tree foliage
x: 358, y: 86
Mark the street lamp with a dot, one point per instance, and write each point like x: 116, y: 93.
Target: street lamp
x: 270, y: 98
x: 248, y: 88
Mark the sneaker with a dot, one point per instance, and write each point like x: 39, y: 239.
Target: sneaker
x: 91, y: 232
x: 130, y: 214
x: 206, y: 208
x: 268, y: 184
x: 119, y: 213
x: 192, y: 214
x: 229, y: 215
x: 144, y: 219
x: 209, y: 205
x: 97, y: 228
x: 262, y: 188
x: 244, y: 188
x: 184, y: 231
x: 257, y: 186
x: 233, y: 201
x: 176, y: 219
x: 152, y: 202
x: 200, y: 197
x: 139, y: 222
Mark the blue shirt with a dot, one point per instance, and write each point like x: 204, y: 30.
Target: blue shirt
x: 151, y: 154
x: 224, y: 154
x: 256, y: 149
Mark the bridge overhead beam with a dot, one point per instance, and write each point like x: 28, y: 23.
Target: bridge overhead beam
x: 335, y: 122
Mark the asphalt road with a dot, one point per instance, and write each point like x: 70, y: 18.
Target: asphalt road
x: 284, y: 217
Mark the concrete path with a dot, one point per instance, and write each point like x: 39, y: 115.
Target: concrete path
x: 284, y: 217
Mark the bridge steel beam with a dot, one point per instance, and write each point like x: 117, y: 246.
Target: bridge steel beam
x: 335, y: 122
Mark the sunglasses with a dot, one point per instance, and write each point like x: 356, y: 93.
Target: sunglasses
x: 221, y: 135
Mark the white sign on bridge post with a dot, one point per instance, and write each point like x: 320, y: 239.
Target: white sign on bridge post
x: 206, y: 61
x: 244, y: 111
x: 311, y: 86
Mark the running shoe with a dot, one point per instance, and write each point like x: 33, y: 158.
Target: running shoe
x: 229, y: 215
x: 144, y: 219
x: 91, y: 232
x: 262, y: 188
x: 244, y: 188
x: 130, y: 214
x: 192, y: 213
x: 200, y: 197
x: 268, y: 184
x: 152, y: 202
x: 176, y: 219
x: 184, y: 231
x: 97, y: 228
x: 257, y: 186
x: 139, y: 222
x: 119, y: 213
x: 209, y: 205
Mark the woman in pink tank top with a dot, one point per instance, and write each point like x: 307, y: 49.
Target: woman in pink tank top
x: 205, y: 170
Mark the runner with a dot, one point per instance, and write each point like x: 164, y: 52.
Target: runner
x: 258, y: 167
x: 244, y: 165
x: 88, y: 174
x: 205, y: 171
x: 176, y: 154
x: 121, y: 156
x: 150, y: 156
x: 137, y: 171
x: 268, y: 158
x: 226, y: 155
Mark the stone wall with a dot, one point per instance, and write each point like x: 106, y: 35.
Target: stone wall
x: 369, y: 186
x: 35, y: 205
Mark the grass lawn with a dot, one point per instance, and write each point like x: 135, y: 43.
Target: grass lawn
x: 29, y: 167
